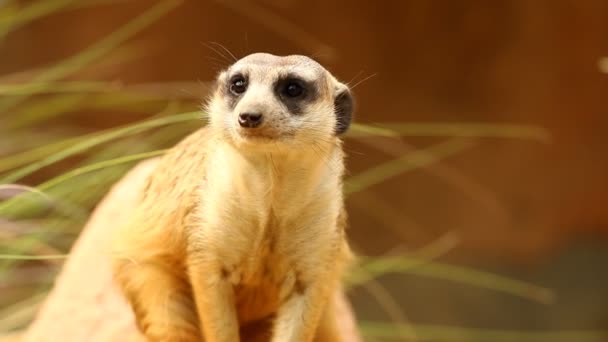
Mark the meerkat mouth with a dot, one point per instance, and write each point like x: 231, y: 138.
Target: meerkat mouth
x: 259, y: 135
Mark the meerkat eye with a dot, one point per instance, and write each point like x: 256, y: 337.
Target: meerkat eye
x: 293, y: 89
x: 238, y: 85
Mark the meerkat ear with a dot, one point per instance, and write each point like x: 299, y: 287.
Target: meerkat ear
x: 344, y: 106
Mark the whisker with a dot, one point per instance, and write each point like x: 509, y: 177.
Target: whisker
x: 324, y: 154
x: 225, y: 49
x: 318, y: 151
x: 320, y: 55
x: 186, y: 92
x: 363, y: 80
x: 352, y: 79
x: 218, y: 52
x: 274, y: 166
x: 320, y: 138
x: 215, y: 59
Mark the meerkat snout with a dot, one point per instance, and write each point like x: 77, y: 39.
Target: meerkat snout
x: 281, y: 99
x: 250, y: 120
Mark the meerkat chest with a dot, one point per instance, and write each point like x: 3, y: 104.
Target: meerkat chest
x: 265, y: 230
x: 258, y: 264
x: 248, y: 208
x: 261, y: 282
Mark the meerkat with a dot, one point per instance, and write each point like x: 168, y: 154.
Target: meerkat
x: 241, y: 225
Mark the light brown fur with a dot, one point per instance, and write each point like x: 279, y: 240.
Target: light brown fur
x: 238, y: 233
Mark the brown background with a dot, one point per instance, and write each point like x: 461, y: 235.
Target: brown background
x: 527, y: 209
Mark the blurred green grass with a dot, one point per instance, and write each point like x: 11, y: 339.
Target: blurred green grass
x: 38, y: 223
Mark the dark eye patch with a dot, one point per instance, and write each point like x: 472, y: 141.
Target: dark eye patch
x: 295, y: 92
x: 293, y: 89
x: 237, y: 84
x: 235, y: 87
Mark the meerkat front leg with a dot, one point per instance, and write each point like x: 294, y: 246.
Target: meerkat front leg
x: 299, y: 316
x: 215, y: 304
x: 161, y: 302
x: 328, y: 329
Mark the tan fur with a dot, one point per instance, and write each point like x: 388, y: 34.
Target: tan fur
x: 240, y: 233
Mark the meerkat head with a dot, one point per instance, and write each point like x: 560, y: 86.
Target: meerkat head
x: 268, y: 99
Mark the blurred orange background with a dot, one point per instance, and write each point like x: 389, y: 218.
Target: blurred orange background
x: 533, y: 210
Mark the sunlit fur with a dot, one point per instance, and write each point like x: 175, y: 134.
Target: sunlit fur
x: 241, y: 234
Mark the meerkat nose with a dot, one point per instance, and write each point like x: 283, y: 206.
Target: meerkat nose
x: 250, y: 120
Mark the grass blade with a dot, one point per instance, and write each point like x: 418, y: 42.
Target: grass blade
x: 97, y: 140
x: 33, y: 88
x: 445, y: 333
x: 99, y: 49
x: 17, y: 18
x: 97, y: 166
x: 19, y: 314
x: 410, y: 161
x: 422, y: 267
x: 32, y: 257
x: 462, y: 130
